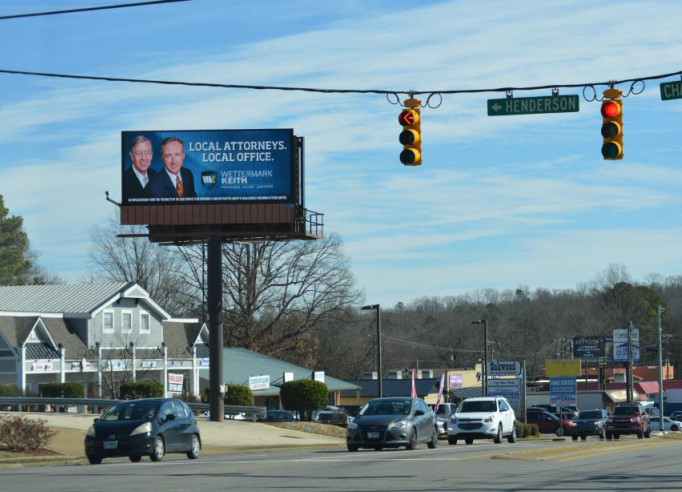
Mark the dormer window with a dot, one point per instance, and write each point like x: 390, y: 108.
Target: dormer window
x: 145, y: 325
x: 126, y: 322
x: 108, y: 322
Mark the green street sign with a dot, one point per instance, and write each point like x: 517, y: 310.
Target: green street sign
x: 671, y: 90
x: 533, y: 105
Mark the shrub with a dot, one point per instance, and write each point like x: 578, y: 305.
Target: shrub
x: 8, y: 390
x: 527, y: 430
x: 141, y: 389
x: 238, y: 394
x: 61, y: 390
x: 24, y: 433
x: 304, y: 396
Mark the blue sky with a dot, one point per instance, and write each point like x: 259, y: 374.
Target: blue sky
x: 498, y: 203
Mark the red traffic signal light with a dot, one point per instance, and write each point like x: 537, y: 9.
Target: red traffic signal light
x: 410, y: 137
x: 612, y: 125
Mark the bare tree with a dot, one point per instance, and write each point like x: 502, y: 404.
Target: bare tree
x: 276, y: 295
x: 157, y: 269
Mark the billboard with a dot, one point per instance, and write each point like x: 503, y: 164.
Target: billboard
x: 208, y: 167
x: 620, y: 344
x: 589, y: 348
x: 562, y: 367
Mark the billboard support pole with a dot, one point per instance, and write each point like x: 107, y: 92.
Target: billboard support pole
x: 215, y: 327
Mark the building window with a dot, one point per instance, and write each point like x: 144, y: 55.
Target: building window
x: 108, y: 322
x: 126, y: 322
x: 144, y: 323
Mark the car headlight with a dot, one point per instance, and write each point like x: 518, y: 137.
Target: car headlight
x: 400, y: 424
x: 91, y: 431
x: 142, y: 429
x: 488, y: 420
x: 352, y: 426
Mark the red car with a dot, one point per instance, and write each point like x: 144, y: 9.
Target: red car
x: 628, y: 418
x: 548, y: 423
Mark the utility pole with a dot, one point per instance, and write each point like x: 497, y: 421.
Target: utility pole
x: 660, y: 369
x: 630, y: 393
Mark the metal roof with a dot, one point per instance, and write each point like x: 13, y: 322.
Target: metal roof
x: 239, y: 364
x: 394, y: 387
x: 58, y: 299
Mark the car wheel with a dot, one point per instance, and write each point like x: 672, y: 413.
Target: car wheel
x: 412, y: 444
x: 583, y: 438
x: 434, y: 440
x: 158, y: 449
x: 558, y: 431
x: 135, y: 458
x: 575, y: 438
x: 377, y: 448
x: 647, y: 434
x: 616, y: 436
x: 640, y: 434
x: 194, y: 451
x: 352, y: 448
x: 469, y: 440
x: 95, y: 460
x: 452, y: 440
x: 512, y: 437
x: 498, y: 436
x: 674, y: 428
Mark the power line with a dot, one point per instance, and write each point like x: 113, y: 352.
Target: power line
x: 88, y: 9
x: 386, y: 92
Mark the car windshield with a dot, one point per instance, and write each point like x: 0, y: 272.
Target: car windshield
x: 391, y: 407
x: 132, y: 410
x: 625, y: 411
x: 593, y: 414
x: 477, y: 406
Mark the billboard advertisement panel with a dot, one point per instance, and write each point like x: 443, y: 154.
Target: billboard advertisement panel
x: 208, y: 166
x: 589, y: 348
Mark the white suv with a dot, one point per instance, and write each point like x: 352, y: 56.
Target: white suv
x: 489, y: 417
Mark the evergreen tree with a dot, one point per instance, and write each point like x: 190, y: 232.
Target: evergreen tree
x: 16, y: 265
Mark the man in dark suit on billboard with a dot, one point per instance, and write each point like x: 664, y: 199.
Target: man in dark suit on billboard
x: 173, y: 181
x: 137, y: 177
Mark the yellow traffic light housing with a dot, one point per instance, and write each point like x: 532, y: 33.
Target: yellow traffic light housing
x: 411, y: 136
x: 612, y: 125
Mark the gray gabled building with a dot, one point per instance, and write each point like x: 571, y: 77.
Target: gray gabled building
x: 96, y: 334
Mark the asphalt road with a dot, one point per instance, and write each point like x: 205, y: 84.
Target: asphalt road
x: 629, y: 464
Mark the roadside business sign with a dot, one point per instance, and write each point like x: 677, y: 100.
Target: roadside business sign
x: 620, y: 344
x: 175, y: 382
x: 508, y: 388
x: 455, y: 381
x: 671, y: 90
x: 562, y: 367
x: 563, y: 391
x: 588, y: 348
x: 533, y: 105
x: 259, y: 382
x: 501, y: 369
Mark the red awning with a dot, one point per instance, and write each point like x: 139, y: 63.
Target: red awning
x: 648, y: 387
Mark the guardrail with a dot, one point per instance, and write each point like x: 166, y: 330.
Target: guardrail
x: 97, y: 404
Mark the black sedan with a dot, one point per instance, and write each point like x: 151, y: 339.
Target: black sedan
x: 391, y: 423
x: 149, y: 427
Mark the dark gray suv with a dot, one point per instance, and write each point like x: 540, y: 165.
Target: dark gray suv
x: 590, y: 423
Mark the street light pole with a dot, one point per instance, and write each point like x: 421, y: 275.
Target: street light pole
x: 379, y: 372
x: 484, y: 322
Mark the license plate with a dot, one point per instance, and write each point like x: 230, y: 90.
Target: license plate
x: 110, y: 444
x: 372, y: 435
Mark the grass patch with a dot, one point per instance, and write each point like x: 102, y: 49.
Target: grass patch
x: 329, y: 430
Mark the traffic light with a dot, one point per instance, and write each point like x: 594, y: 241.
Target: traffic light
x: 411, y: 136
x: 612, y: 125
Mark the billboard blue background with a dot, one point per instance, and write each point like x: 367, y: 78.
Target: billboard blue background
x: 228, y: 166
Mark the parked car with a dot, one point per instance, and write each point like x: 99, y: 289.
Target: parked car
x: 443, y: 415
x: 279, y: 416
x: 628, y: 418
x: 548, y: 423
x: 332, y: 415
x: 489, y: 417
x: 149, y: 427
x: 568, y: 413
x: 676, y: 415
x: 391, y: 423
x: 590, y: 423
x: 668, y: 424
